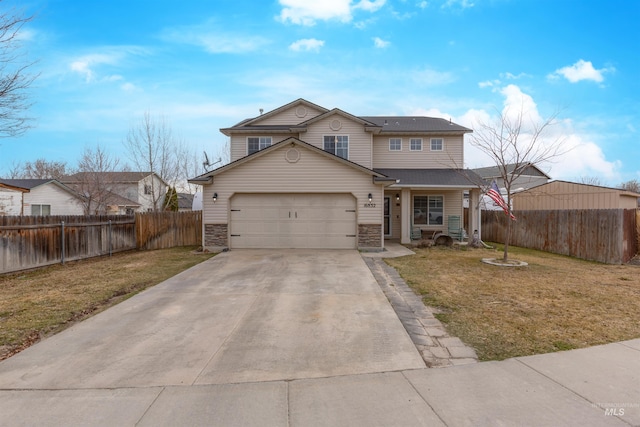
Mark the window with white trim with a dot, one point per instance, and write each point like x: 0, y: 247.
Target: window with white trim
x: 437, y: 144
x: 337, y: 144
x: 428, y: 210
x: 255, y: 144
x: 40, y: 210
x: 395, y: 144
x: 415, y: 144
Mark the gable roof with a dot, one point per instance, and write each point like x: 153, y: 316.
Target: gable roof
x: 122, y: 177
x: 494, y: 171
x: 206, y: 177
x: 26, y: 185
x: 459, y: 178
x: 621, y: 191
x: 297, y: 102
x: 377, y: 124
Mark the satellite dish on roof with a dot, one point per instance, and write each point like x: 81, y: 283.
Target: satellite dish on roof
x: 206, y: 163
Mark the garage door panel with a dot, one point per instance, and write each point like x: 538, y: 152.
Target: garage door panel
x: 293, y: 221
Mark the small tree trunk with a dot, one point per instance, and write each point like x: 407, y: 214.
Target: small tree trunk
x: 507, y: 238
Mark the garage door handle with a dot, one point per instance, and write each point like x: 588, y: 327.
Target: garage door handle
x: 350, y: 235
x: 349, y: 210
x: 235, y: 235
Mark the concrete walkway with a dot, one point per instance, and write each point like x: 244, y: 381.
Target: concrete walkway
x: 211, y: 347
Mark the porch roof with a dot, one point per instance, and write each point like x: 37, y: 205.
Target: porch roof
x: 436, y: 178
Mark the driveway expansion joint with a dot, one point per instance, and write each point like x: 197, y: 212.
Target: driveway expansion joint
x: 436, y: 346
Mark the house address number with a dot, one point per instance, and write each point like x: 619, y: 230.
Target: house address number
x: 369, y: 205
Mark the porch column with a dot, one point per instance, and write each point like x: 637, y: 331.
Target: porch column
x: 474, y: 211
x: 405, y: 216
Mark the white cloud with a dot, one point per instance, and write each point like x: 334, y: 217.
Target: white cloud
x: 379, y: 43
x: 85, y: 65
x: 580, y: 154
x: 581, y: 70
x: 306, y: 45
x: 423, y: 4
x: 370, y: 6
x: 214, y: 40
x: 305, y: 12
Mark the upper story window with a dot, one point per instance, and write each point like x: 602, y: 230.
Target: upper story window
x: 255, y: 144
x: 147, y: 189
x: 437, y: 144
x: 415, y: 144
x: 395, y: 144
x: 337, y: 144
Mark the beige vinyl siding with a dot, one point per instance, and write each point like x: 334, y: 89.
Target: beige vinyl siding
x: 450, y: 157
x: 359, y: 139
x: 239, y: 143
x: 567, y: 195
x: 61, y: 202
x: 312, y: 173
x: 289, y: 116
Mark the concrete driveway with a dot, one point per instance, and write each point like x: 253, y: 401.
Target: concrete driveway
x: 243, y: 316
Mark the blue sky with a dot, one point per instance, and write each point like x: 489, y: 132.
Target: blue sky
x: 205, y: 65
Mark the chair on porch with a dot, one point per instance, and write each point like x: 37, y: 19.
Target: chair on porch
x: 454, y: 229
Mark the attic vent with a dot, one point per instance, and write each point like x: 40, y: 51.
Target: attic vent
x: 292, y: 155
x: 301, y: 111
x: 335, y: 124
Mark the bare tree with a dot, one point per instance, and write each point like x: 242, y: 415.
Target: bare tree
x: 514, y: 141
x: 14, y: 77
x: 152, y: 148
x: 40, y: 169
x: 94, y: 181
x: 591, y: 180
x: 632, y: 185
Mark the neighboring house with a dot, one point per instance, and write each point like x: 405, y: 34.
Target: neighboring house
x: 185, y: 202
x: 38, y: 197
x: 121, y: 192
x: 560, y: 195
x: 303, y: 176
x: 531, y: 176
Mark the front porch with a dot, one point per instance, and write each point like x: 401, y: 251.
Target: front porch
x: 428, y: 212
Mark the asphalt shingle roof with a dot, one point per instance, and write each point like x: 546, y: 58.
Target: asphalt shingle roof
x: 434, y: 177
x: 25, y: 183
x: 414, y: 124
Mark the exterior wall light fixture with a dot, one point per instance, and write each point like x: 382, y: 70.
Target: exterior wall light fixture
x: 370, y: 197
x: 397, y: 197
x: 215, y: 197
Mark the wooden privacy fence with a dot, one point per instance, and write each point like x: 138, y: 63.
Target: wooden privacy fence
x: 604, y: 235
x: 160, y: 230
x: 35, y: 241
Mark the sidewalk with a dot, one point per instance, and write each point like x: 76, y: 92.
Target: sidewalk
x: 598, y: 386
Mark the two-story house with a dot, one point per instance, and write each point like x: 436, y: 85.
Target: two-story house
x: 303, y: 176
x: 119, y: 193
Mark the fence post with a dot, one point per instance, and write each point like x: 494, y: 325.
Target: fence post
x: 110, y: 249
x: 62, y: 239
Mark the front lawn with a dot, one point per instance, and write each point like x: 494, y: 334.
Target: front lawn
x: 556, y: 303
x: 37, y: 303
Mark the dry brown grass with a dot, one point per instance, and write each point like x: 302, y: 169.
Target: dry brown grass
x: 556, y: 303
x: 40, y: 302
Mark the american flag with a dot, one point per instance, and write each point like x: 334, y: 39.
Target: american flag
x: 495, y: 195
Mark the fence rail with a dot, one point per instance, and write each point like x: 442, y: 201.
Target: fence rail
x: 604, y: 235
x: 30, y: 241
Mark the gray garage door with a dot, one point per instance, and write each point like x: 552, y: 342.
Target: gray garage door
x: 323, y: 221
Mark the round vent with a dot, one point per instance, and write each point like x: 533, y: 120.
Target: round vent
x: 301, y: 111
x: 335, y: 124
x: 292, y: 155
